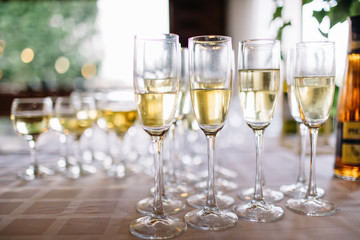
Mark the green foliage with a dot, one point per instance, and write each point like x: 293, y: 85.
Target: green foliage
x: 337, y: 13
x: 52, y: 29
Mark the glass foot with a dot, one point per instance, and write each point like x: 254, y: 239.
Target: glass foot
x: 152, y: 227
x: 222, y: 185
x: 199, y: 200
x: 177, y: 191
x: 298, y: 190
x: 35, y: 172
x: 171, y: 206
x: 270, y: 196
x: 311, y: 207
x: 258, y: 211
x: 211, y: 219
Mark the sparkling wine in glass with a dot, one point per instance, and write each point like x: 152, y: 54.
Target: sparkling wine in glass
x: 314, y: 79
x: 76, y: 114
x: 30, y: 118
x: 156, y: 85
x: 259, y: 81
x: 211, y: 69
x: 118, y: 109
x: 299, y: 188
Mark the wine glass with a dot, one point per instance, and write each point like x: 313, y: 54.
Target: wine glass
x: 259, y: 81
x: 314, y: 79
x: 211, y: 69
x: 30, y: 118
x: 118, y: 109
x: 156, y: 85
x: 299, y: 188
x: 174, y: 184
x: 76, y: 114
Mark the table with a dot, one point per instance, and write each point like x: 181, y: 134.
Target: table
x: 99, y: 207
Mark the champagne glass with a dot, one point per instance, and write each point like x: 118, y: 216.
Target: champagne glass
x: 211, y: 69
x: 314, y: 79
x: 175, y: 185
x: 118, y: 109
x: 30, y: 117
x: 299, y: 188
x: 76, y: 114
x: 259, y: 81
x: 156, y: 85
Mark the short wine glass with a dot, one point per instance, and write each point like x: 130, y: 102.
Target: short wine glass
x: 314, y: 79
x: 211, y: 69
x: 118, y: 109
x: 299, y: 188
x: 30, y: 118
x: 259, y: 81
x: 156, y: 86
x: 76, y: 114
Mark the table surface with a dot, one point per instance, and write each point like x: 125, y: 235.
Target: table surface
x: 99, y: 207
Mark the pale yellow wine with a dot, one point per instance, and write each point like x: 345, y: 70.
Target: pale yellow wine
x: 156, y: 110
x: 30, y: 126
x: 258, y: 92
x: 118, y: 120
x: 211, y: 107
x: 77, y: 123
x: 315, y: 96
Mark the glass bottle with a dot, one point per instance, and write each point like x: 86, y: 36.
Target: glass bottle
x: 347, y: 162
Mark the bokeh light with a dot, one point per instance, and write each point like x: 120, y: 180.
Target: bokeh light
x: 88, y: 70
x: 62, y: 65
x: 27, y: 55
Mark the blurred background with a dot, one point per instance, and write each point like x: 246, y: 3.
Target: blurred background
x: 51, y: 48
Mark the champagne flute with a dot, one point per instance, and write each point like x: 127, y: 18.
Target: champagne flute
x: 314, y: 79
x: 76, y: 114
x: 156, y: 85
x: 118, y: 109
x: 211, y: 69
x: 299, y: 188
x: 174, y: 185
x: 259, y: 81
x: 30, y: 117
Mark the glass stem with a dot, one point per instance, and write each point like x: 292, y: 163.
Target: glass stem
x: 157, y: 142
x: 259, y: 139
x: 311, y: 192
x: 34, y: 161
x: 172, y: 156
x: 303, y: 133
x: 210, y: 197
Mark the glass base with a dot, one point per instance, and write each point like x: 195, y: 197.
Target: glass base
x: 298, y: 190
x: 222, y: 185
x: 78, y: 170
x: 210, y: 219
x: 171, y: 206
x: 270, y: 196
x: 311, y: 207
x: 35, y: 172
x: 199, y: 200
x: 177, y: 191
x: 152, y: 227
x: 258, y: 211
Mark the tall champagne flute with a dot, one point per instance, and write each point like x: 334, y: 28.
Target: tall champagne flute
x: 30, y: 118
x: 156, y: 85
x: 76, y: 114
x: 299, y: 188
x: 259, y: 80
x: 314, y: 79
x: 118, y: 109
x: 175, y: 185
x: 211, y: 69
